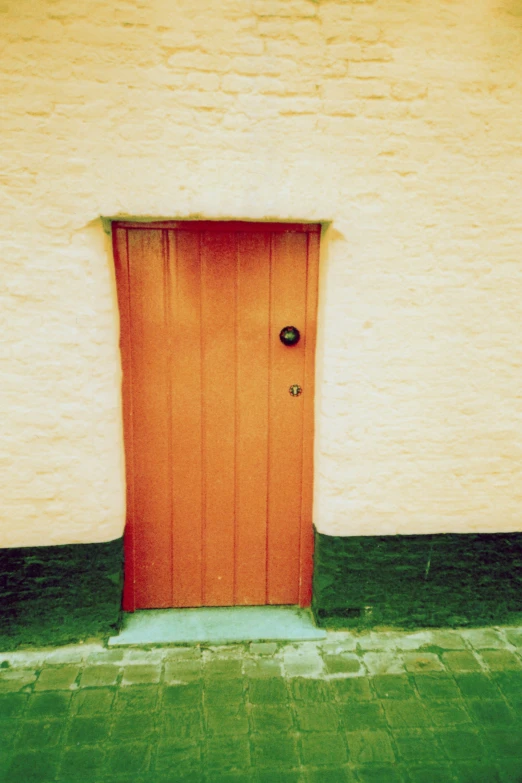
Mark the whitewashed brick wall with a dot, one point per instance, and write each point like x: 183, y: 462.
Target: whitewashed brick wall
x: 398, y: 122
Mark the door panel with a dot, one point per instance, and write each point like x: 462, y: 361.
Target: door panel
x: 287, y: 308
x: 253, y: 372
x: 218, y: 314
x: 218, y: 453
x: 151, y: 417
x: 307, y: 537
x: 186, y: 411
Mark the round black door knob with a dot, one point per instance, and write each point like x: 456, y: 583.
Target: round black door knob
x: 289, y: 335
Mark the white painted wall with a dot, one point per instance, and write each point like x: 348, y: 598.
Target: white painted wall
x: 398, y: 122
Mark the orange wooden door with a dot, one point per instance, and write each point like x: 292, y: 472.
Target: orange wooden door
x: 218, y: 451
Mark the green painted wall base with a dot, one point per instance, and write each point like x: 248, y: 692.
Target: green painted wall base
x: 59, y: 594
x: 418, y: 581
x: 55, y: 595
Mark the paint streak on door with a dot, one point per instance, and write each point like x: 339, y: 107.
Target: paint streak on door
x: 218, y: 452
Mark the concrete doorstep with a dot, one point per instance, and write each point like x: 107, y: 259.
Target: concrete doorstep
x: 217, y: 625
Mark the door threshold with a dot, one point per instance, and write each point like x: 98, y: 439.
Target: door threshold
x: 217, y: 625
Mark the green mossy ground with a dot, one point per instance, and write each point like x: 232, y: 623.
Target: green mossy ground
x: 358, y: 708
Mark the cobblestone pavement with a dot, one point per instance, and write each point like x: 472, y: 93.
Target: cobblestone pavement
x: 424, y: 707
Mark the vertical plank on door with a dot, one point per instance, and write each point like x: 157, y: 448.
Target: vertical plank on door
x: 121, y: 264
x: 288, y: 297
x: 307, y: 531
x: 218, y: 314
x: 185, y: 369
x: 151, y: 417
x: 252, y: 416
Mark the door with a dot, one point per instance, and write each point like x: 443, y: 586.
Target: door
x: 218, y: 411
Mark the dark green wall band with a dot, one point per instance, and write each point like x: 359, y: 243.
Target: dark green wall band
x: 418, y: 581
x: 55, y: 595
x: 59, y: 594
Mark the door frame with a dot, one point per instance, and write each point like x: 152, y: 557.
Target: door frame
x: 313, y: 230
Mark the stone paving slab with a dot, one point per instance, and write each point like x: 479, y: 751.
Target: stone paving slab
x: 383, y: 706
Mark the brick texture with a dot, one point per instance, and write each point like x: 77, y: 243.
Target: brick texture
x: 395, y: 123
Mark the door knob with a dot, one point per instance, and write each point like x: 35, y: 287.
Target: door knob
x: 289, y: 335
